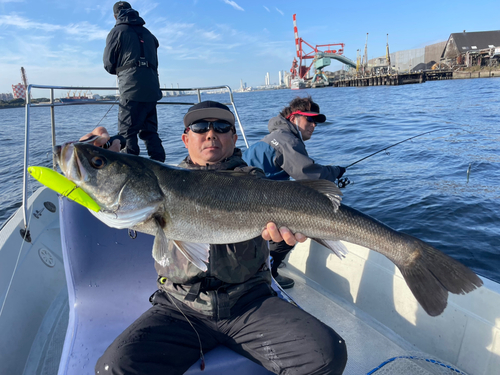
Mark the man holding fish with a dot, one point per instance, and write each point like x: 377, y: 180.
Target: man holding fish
x: 231, y: 303
x: 207, y: 219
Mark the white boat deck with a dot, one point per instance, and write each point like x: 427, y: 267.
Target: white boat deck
x: 368, y: 342
x: 362, y: 297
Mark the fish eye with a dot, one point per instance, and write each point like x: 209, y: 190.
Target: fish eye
x: 98, y: 162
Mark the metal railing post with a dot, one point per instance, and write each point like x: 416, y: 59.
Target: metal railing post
x: 26, y: 148
x: 53, y: 126
x: 237, y: 116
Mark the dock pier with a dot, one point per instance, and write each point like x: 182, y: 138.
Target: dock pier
x: 393, y: 79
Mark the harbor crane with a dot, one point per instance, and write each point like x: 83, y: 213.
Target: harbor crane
x: 321, y: 56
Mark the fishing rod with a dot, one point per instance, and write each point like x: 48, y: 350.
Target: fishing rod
x: 105, y: 114
x: 395, y: 144
x: 343, y: 182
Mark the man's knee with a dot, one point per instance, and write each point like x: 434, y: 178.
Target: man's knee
x: 337, y: 358
x: 111, y: 362
x: 329, y: 353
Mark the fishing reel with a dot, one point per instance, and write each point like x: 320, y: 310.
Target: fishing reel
x: 343, y: 182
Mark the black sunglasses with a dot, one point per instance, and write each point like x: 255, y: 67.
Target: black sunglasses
x: 310, y: 119
x: 203, y: 126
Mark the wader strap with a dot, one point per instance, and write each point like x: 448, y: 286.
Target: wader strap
x: 223, y: 308
x: 142, y: 62
x: 193, y: 292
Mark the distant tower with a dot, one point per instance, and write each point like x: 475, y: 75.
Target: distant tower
x: 280, y: 78
x: 268, y: 81
x: 388, y: 55
x: 365, y: 57
x: 358, y: 61
x: 296, y: 34
x: 24, y: 78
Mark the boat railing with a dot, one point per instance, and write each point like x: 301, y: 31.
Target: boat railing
x: 195, y: 91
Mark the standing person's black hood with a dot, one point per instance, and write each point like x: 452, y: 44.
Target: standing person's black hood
x: 129, y: 17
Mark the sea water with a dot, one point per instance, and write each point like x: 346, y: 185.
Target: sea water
x: 420, y: 187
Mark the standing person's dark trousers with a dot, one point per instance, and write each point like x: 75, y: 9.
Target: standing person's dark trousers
x: 140, y: 119
x: 131, y: 53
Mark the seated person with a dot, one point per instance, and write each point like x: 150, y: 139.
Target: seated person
x: 282, y: 154
x: 232, y: 303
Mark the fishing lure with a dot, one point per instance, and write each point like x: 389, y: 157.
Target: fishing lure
x: 63, y: 186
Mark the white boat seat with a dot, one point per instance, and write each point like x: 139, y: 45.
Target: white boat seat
x: 110, y: 277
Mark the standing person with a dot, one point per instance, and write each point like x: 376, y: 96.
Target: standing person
x: 230, y: 304
x: 282, y: 154
x: 131, y: 54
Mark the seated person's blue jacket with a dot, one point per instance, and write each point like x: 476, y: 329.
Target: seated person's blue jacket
x: 282, y: 154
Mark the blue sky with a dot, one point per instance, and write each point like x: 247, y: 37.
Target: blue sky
x: 216, y: 42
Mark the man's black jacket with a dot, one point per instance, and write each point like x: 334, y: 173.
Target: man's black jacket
x: 123, y: 49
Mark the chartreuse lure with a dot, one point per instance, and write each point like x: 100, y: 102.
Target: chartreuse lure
x: 63, y: 186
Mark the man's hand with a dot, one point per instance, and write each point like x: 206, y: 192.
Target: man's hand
x: 102, y: 137
x: 271, y: 232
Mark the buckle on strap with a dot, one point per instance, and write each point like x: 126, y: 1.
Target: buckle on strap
x: 193, y: 292
x: 223, y: 306
x: 142, y: 62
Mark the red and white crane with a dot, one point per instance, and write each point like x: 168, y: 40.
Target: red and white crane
x: 320, y: 55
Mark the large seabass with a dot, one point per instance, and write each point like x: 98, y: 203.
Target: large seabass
x: 186, y: 210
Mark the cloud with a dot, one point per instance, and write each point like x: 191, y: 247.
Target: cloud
x: 266, y: 8
x: 81, y: 30
x: 24, y: 23
x: 174, y: 32
x: 211, y: 35
x: 85, y: 31
x: 234, y: 5
x: 281, y: 12
x: 144, y: 8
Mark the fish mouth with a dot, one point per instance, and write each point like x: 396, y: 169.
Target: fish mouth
x: 70, y: 164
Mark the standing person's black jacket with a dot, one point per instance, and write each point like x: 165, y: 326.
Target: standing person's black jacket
x: 123, y: 49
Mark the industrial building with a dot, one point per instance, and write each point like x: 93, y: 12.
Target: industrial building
x: 411, y: 59
x: 481, y: 48
x: 464, y: 49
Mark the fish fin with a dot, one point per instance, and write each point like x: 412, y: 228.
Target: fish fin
x: 196, y: 253
x: 325, y: 187
x: 433, y: 274
x: 336, y: 246
x: 162, y: 248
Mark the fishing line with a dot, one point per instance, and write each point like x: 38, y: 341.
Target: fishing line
x: 395, y: 144
x: 202, y: 357
x: 26, y: 234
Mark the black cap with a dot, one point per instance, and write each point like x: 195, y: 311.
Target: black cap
x: 119, y: 6
x: 314, y: 112
x: 208, y: 109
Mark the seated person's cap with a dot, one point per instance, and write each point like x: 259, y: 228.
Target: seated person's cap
x: 208, y: 109
x: 313, y: 112
x: 121, y: 5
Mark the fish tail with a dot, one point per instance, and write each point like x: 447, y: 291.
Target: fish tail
x: 432, y: 274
